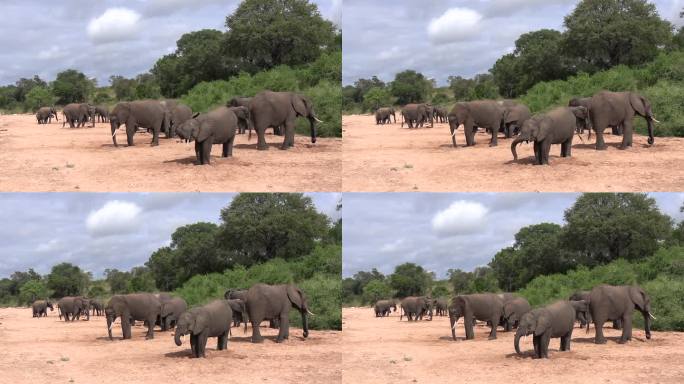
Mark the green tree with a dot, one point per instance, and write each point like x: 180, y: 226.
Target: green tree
x: 195, y: 250
x: 459, y: 280
x: 147, y: 87
x: 362, y: 86
x: 484, y: 87
x: 376, y: 290
x: 376, y: 98
x: 602, y: 227
x: 38, y: 97
x: 119, y: 281
x: 362, y: 278
x: 483, y: 280
x: 141, y: 280
x: 23, y: 86
x: 409, y: 279
x: 124, y: 89
x: 441, y: 289
x: 461, y: 87
x: 72, y: 86
x: 166, y: 273
x: 102, y: 96
x: 65, y: 279
x: 31, y: 291
x: 411, y: 87
x: 261, y: 226
x: 97, y: 289
x: 267, y: 33
x: 604, y: 33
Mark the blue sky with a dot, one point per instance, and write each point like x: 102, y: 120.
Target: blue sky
x: 105, y: 37
x: 446, y: 37
x: 448, y: 230
x: 103, y: 230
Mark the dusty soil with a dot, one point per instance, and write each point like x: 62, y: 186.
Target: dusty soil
x: 51, y: 158
x: 381, y: 158
x: 57, y: 352
x: 387, y: 350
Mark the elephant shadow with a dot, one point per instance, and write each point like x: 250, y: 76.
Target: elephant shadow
x: 253, y: 146
x: 593, y: 145
x: 614, y: 339
x: 184, y: 354
x: 189, y: 160
x: 530, y: 160
x: 521, y: 356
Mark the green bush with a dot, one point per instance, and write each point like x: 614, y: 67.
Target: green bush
x: 666, y: 100
x: 376, y: 290
x: 38, y: 97
x: 325, y: 259
x: 667, y: 303
x: 327, y: 100
x: 324, y: 295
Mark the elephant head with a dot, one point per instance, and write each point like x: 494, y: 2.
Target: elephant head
x: 190, y: 322
x: 49, y: 305
x: 582, y: 117
x: 303, y: 107
x: 298, y: 300
x: 534, y: 129
x: 456, y: 309
x: 642, y: 303
x: 642, y: 107
x: 190, y: 129
x: 534, y: 322
x: 117, y: 307
x: 243, y: 115
x: 119, y: 115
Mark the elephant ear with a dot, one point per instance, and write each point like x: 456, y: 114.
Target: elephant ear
x: 580, y: 112
x: 203, y: 131
x: 198, y: 323
x: 300, y: 105
x: 296, y: 296
x: 639, y: 104
x: 638, y: 297
x: 543, y: 323
x: 543, y: 127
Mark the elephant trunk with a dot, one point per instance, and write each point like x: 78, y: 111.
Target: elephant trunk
x: 305, y: 324
x: 647, y: 324
x: 177, y: 338
x: 520, y: 332
x: 649, y: 120
x: 115, y: 127
x: 514, y: 144
x: 312, y: 123
x: 453, y: 321
x: 110, y: 323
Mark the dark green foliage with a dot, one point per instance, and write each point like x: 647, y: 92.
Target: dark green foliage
x: 441, y: 289
x: 119, y: 281
x: 376, y: 98
x: 409, y: 279
x: 410, y: 87
x: 38, y: 97
x: 31, y: 291
x: 377, y: 290
x: 72, y: 86
x: 481, y: 86
x: 66, y: 279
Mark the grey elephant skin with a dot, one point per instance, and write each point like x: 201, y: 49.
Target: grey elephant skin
x: 77, y: 114
x: 201, y: 323
x: 239, y: 311
x: 515, y: 115
x: 384, y: 115
x: 584, y: 317
x: 558, y: 126
x: 44, y: 115
x: 273, y: 302
x: 135, y: 306
x: 415, y: 307
x: 617, y: 109
x: 97, y: 307
x: 234, y: 295
x: 73, y: 307
x: 415, y: 115
x: 215, y: 127
x: 179, y: 115
x: 478, y: 306
x: 554, y: 320
x: 383, y: 308
x: 102, y: 113
x: 487, y: 114
x: 513, y: 311
x: 150, y: 114
x: 275, y: 109
x: 441, y: 115
x: 440, y: 306
x: 608, y: 302
x: 170, y: 312
x: 40, y: 308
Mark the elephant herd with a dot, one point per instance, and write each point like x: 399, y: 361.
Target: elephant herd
x: 277, y: 110
x: 601, y: 304
x: 556, y: 126
x: 215, y: 319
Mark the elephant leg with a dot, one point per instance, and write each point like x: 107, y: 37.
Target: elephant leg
x: 494, y: 141
x: 469, y: 134
x: 130, y: 131
x: 231, y: 142
x: 537, y: 349
x: 544, y: 344
x: 492, y: 333
x: 206, y: 151
x: 284, y: 327
x: 626, y: 329
x: 256, y: 333
x: 453, y: 134
x: 546, y: 148
x: 126, y: 330
x: 193, y: 345
x: 155, y: 134
x: 598, y: 325
x: 537, y: 153
x: 627, y: 134
x: 600, y: 143
x: 261, y: 138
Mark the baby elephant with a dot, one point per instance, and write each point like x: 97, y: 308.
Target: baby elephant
x: 211, y: 320
x: 215, y: 127
x: 554, y: 320
x: 554, y: 127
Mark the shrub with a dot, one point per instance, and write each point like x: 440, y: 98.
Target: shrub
x: 38, y: 97
x: 324, y: 295
x: 376, y: 290
x: 327, y: 100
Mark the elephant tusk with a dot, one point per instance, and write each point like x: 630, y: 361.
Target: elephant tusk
x: 111, y: 325
x: 654, y: 119
x: 453, y: 326
x: 453, y: 134
x: 653, y: 317
x: 309, y: 312
x: 114, y: 133
x: 316, y: 118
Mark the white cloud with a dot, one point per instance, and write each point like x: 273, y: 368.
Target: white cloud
x: 116, y: 24
x: 456, y: 24
x: 114, y: 218
x: 461, y: 217
x: 392, y: 247
x: 54, y: 52
x: 51, y: 246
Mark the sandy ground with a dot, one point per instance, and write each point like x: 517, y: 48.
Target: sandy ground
x: 382, y: 158
x: 52, y: 351
x: 51, y: 158
x: 387, y: 350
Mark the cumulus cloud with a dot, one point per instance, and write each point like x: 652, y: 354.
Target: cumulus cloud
x: 115, y: 24
x: 462, y: 217
x: 114, y: 218
x: 456, y: 24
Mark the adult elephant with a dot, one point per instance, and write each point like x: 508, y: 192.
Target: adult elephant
x: 275, y: 109
x: 77, y: 114
x: 608, y: 302
x: 97, y: 307
x: 554, y: 320
x: 384, y: 307
x: 40, y: 308
x: 239, y: 311
x: 617, y: 109
x: 44, y: 115
x: 586, y: 103
x: 478, y: 306
x: 236, y: 294
x: 513, y: 310
x: 441, y: 115
x: 267, y: 302
x: 487, y: 114
x: 584, y: 317
x: 558, y: 126
x: 239, y: 102
x: 215, y: 127
x: 179, y: 115
x: 210, y: 320
x: 384, y: 115
x: 415, y: 307
x: 440, y: 305
x: 131, y: 307
x: 514, y: 117
x: 244, y: 119
x: 415, y: 115
x: 72, y: 307
x: 150, y: 114
x: 170, y: 312
x: 102, y: 113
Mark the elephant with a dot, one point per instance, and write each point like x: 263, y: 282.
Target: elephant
x: 487, y: 114
x: 45, y: 114
x: 477, y: 306
x: 72, y: 307
x: 441, y: 115
x: 558, y: 126
x: 416, y: 114
x: 267, y: 302
x: 77, y: 114
x: 233, y: 294
x: 383, y: 116
x: 244, y: 119
x: 384, y: 307
x: 415, y: 307
x: 150, y: 114
x: 131, y: 307
x: 239, y: 102
x: 275, y: 109
x: 440, y: 306
x: 40, y: 308
x: 617, y: 109
x: 102, y: 112
x: 97, y: 306
x: 513, y: 311
x: 608, y: 302
x: 163, y: 296
x: 239, y: 311
x: 179, y: 115
x: 201, y: 323
x: 215, y: 127
x: 170, y: 311
x: 554, y: 320
x: 584, y: 317
x: 514, y: 117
